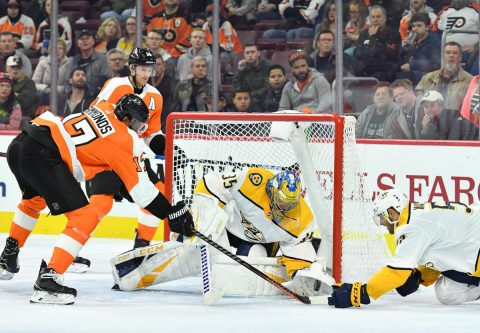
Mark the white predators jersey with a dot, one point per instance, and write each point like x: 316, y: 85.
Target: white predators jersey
x: 246, y: 202
x: 441, y: 236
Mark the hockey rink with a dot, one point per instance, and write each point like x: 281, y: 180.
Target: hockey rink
x: 177, y: 306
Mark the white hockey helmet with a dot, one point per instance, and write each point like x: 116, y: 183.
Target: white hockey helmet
x: 389, y: 199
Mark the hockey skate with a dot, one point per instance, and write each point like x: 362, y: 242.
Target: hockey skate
x: 79, y: 265
x: 49, y: 288
x: 9, y: 259
x: 139, y: 242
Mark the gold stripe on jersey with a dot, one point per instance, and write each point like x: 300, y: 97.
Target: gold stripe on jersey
x: 429, y: 275
x: 297, y: 220
x: 202, y: 188
x: 477, y: 265
x: 294, y: 264
x: 404, y: 216
x: 386, y: 279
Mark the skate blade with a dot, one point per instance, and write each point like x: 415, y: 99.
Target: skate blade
x: 77, y: 268
x: 43, y: 297
x: 6, y: 275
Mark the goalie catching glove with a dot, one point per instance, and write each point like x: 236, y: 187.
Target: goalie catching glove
x: 311, y: 281
x: 180, y: 220
x: 346, y: 295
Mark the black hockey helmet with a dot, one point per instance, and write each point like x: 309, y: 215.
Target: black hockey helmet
x: 142, y: 57
x: 135, y: 109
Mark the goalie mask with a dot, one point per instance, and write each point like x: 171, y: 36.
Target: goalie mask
x: 389, y: 199
x: 284, y: 192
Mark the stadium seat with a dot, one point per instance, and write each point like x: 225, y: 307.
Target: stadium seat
x: 246, y: 36
x: 298, y: 44
x: 281, y: 58
x: 268, y: 24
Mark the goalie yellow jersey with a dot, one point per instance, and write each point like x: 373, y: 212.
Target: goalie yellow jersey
x: 243, y: 196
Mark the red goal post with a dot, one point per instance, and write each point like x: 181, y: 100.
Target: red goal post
x: 321, y: 147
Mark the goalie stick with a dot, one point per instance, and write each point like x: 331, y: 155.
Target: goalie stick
x: 285, y: 290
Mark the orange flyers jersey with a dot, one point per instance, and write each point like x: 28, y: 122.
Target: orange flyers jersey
x: 152, y: 7
x: 117, y: 87
x: 23, y: 29
x: 175, y: 29
x: 103, y: 142
x: 227, y: 37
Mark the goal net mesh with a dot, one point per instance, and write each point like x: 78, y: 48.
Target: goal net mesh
x: 200, y: 143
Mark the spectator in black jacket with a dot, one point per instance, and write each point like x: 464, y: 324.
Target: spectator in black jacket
x: 378, y: 46
x: 323, y: 57
x: 443, y: 124
x: 252, y: 70
x: 420, y: 53
x: 79, y: 98
x: 268, y: 98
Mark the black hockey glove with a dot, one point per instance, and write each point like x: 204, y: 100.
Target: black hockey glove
x: 411, y: 285
x: 347, y: 295
x: 180, y: 220
x: 157, y: 145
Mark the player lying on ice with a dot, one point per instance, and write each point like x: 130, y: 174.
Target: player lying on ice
x: 436, y: 243
x: 103, y: 137
x: 253, y: 210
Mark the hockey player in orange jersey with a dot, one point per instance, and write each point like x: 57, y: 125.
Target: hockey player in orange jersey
x: 103, y: 137
x: 105, y: 186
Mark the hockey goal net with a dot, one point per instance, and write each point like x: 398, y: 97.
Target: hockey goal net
x: 321, y: 148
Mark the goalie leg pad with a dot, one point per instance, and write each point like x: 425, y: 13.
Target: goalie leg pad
x: 245, y: 283
x: 155, y: 264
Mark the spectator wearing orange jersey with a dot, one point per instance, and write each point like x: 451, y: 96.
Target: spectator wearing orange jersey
x: 150, y: 8
x: 44, y: 28
x: 174, y: 26
x: 19, y: 24
x: 227, y: 37
x: 416, y: 6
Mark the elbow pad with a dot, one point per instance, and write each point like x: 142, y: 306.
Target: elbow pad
x: 157, y: 145
x: 159, y: 206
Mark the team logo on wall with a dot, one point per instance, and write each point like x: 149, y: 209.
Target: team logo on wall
x: 255, y: 179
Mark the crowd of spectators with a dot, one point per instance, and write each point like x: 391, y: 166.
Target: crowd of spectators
x: 412, y: 65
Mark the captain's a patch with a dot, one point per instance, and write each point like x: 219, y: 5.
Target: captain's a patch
x: 256, y: 179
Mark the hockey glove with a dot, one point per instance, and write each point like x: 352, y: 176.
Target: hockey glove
x: 346, y: 295
x: 157, y: 145
x: 411, y: 285
x: 180, y: 220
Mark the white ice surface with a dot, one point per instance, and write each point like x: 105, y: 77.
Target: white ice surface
x: 177, y: 306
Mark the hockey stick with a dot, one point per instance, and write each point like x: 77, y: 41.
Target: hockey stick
x: 302, y: 299
x: 3, y: 154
